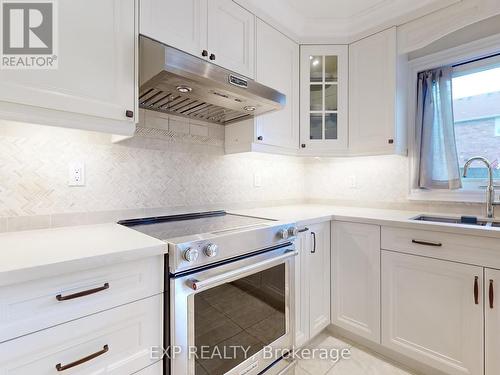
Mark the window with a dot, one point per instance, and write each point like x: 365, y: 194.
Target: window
x: 476, y: 110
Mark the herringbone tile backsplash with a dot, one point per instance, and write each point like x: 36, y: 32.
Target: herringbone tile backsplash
x: 170, y: 163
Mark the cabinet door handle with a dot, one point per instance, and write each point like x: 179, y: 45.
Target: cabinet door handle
x: 476, y: 290
x: 129, y: 113
x: 314, y: 242
x: 212, y: 57
x: 305, y: 229
x: 491, y: 293
x: 60, y: 297
x: 60, y: 367
x: 427, y: 243
x: 204, y: 53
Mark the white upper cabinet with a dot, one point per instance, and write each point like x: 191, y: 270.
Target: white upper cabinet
x: 324, y: 95
x: 374, y: 105
x: 94, y: 85
x: 231, y: 37
x: 356, y: 278
x: 432, y: 311
x: 178, y: 23
x: 278, y: 67
x: 217, y: 30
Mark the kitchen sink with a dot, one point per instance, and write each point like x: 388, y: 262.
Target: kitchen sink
x: 461, y: 221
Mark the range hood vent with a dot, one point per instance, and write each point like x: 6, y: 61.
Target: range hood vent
x: 172, y: 81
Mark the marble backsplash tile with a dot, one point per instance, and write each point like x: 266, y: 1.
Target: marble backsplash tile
x: 161, y: 169
x: 174, y: 165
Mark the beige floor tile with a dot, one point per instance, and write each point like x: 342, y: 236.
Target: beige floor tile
x: 300, y: 371
x: 316, y: 366
x: 362, y: 363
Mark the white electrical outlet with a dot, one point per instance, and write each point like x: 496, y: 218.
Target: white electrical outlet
x: 257, y: 180
x: 76, y: 174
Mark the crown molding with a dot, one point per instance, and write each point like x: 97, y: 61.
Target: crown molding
x: 338, y: 30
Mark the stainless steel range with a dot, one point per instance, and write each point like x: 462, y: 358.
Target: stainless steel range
x: 231, y: 292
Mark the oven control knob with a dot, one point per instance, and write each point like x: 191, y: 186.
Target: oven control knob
x: 293, y: 231
x: 211, y: 250
x: 283, y: 234
x: 191, y: 255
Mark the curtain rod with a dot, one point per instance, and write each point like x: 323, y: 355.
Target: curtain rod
x: 478, y: 59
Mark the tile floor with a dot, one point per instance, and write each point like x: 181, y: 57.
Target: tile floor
x: 360, y: 362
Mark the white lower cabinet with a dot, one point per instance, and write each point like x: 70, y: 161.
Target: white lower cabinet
x: 432, y: 311
x: 312, y: 298
x: 301, y: 291
x: 35, y: 305
x: 492, y: 322
x: 356, y: 278
x: 117, y: 341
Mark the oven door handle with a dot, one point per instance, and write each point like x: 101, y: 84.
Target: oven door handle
x: 200, y: 284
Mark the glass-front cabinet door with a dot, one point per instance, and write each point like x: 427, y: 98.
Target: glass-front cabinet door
x: 323, y: 120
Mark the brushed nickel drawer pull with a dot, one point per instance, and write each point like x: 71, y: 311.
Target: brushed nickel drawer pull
x: 104, y: 350
x: 427, y: 243
x: 60, y: 297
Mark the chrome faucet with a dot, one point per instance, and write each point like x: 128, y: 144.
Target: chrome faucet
x: 490, y: 189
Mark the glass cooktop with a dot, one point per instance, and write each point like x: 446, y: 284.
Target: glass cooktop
x: 166, y: 227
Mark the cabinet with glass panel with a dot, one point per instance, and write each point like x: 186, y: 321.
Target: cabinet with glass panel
x: 324, y: 109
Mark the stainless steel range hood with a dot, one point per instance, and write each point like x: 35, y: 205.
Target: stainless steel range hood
x: 175, y: 82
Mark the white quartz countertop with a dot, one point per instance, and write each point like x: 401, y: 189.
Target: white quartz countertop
x: 34, y: 254
x: 313, y: 213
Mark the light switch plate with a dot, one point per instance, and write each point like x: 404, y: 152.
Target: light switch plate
x: 76, y: 174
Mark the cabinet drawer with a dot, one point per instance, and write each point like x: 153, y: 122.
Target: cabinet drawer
x: 35, y: 305
x: 119, y: 340
x: 482, y: 251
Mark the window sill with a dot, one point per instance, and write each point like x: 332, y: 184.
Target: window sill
x: 459, y: 196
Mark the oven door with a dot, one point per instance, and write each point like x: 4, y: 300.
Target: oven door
x: 235, y: 317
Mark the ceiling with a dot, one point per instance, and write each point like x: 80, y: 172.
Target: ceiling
x: 339, y: 20
x: 334, y: 9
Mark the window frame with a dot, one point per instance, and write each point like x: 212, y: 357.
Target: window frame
x: 457, y: 55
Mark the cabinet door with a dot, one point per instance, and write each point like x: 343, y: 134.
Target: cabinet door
x: 430, y: 313
x: 96, y: 64
x: 278, y: 67
x: 356, y: 278
x: 319, y: 277
x: 324, y: 74
x: 302, y: 291
x: 231, y: 37
x: 178, y: 23
x: 372, y: 93
x: 492, y: 323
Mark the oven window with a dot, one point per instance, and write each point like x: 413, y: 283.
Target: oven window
x: 248, y: 313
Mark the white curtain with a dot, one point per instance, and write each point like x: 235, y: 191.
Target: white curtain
x: 435, y: 133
